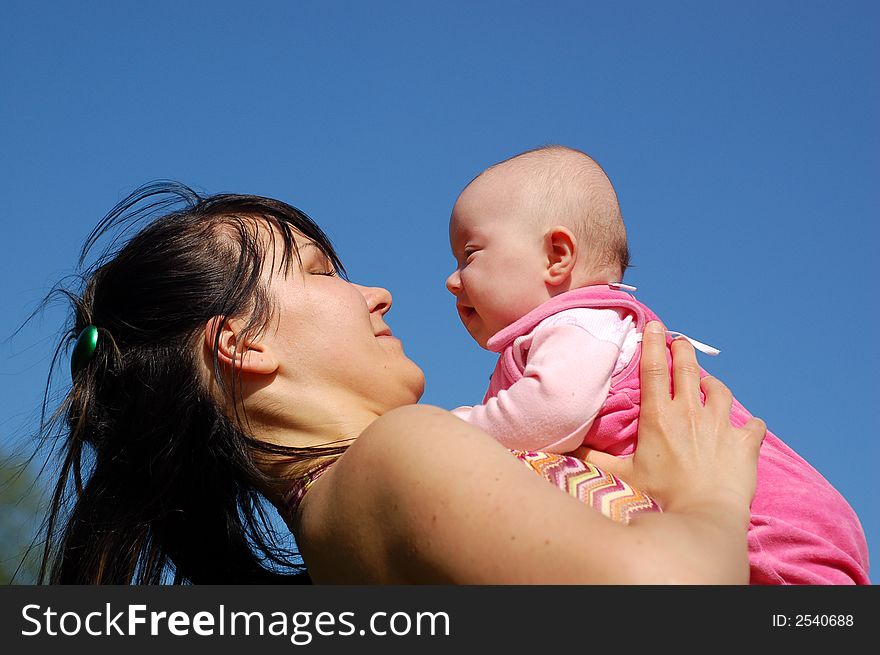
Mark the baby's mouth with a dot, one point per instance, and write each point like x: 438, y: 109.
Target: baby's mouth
x: 466, y: 314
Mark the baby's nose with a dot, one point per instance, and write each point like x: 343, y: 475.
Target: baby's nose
x: 453, y: 283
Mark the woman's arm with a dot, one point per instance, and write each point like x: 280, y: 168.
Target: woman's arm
x: 420, y: 498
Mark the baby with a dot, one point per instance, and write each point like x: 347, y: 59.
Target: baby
x: 541, y: 249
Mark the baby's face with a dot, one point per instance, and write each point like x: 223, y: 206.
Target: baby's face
x: 499, y: 254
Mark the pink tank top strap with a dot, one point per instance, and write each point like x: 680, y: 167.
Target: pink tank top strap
x: 294, y: 496
x: 589, y: 484
x: 604, y: 492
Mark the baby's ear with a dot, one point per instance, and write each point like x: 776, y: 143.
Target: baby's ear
x: 562, y: 251
x: 249, y: 354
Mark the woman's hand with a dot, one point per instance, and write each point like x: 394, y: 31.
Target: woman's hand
x: 688, y: 453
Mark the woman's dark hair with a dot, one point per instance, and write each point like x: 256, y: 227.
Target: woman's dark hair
x: 157, y: 482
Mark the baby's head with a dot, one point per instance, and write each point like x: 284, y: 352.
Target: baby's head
x: 529, y: 228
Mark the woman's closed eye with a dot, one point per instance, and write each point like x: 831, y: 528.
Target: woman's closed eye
x: 330, y: 273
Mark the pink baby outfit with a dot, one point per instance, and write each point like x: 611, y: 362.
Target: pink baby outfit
x: 802, y: 530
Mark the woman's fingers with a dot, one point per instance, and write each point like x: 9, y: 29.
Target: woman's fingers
x: 719, y: 400
x: 718, y: 396
x: 653, y: 369
x: 688, y: 452
x: 685, y: 372
x: 757, y: 430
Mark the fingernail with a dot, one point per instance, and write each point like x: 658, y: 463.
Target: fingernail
x: 656, y: 327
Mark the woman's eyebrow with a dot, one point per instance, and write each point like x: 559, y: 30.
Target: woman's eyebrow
x: 312, y: 244
x: 320, y: 255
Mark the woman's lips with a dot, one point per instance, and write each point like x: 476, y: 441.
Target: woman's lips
x: 384, y: 334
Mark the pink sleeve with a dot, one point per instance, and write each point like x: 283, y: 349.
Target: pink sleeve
x: 565, y: 382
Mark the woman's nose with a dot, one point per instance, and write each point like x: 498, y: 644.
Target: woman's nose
x: 378, y: 299
x: 453, y: 283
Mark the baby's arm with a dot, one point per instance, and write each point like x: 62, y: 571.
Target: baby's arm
x: 565, y: 382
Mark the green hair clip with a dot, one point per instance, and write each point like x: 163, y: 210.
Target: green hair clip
x: 86, y: 343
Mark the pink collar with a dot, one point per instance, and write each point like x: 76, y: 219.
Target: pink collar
x: 581, y: 297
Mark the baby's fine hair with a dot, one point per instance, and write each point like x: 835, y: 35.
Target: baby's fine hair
x: 576, y: 192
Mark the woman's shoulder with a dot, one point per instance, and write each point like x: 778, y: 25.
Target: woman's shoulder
x: 407, y: 427
x: 385, y: 478
x: 417, y: 484
x: 386, y: 458
x: 397, y: 447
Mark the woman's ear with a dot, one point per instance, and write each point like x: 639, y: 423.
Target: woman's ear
x: 561, y: 248
x: 252, y: 355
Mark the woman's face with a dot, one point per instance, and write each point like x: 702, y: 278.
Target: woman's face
x: 331, y: 338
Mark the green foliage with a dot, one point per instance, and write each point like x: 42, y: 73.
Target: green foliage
x: 20, y: 514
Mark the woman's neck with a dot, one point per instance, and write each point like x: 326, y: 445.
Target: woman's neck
x: 321, y: 430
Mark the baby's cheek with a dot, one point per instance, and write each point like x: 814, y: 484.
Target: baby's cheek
x: 506, y: 310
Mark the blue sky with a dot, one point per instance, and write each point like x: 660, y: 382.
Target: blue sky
x: 742, y: 139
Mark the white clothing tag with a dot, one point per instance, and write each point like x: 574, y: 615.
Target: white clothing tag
x: 702, y: 347
x: 621, y: 285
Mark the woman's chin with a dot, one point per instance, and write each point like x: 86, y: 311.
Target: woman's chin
x: 418, y: 385
x: 409, y: 388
